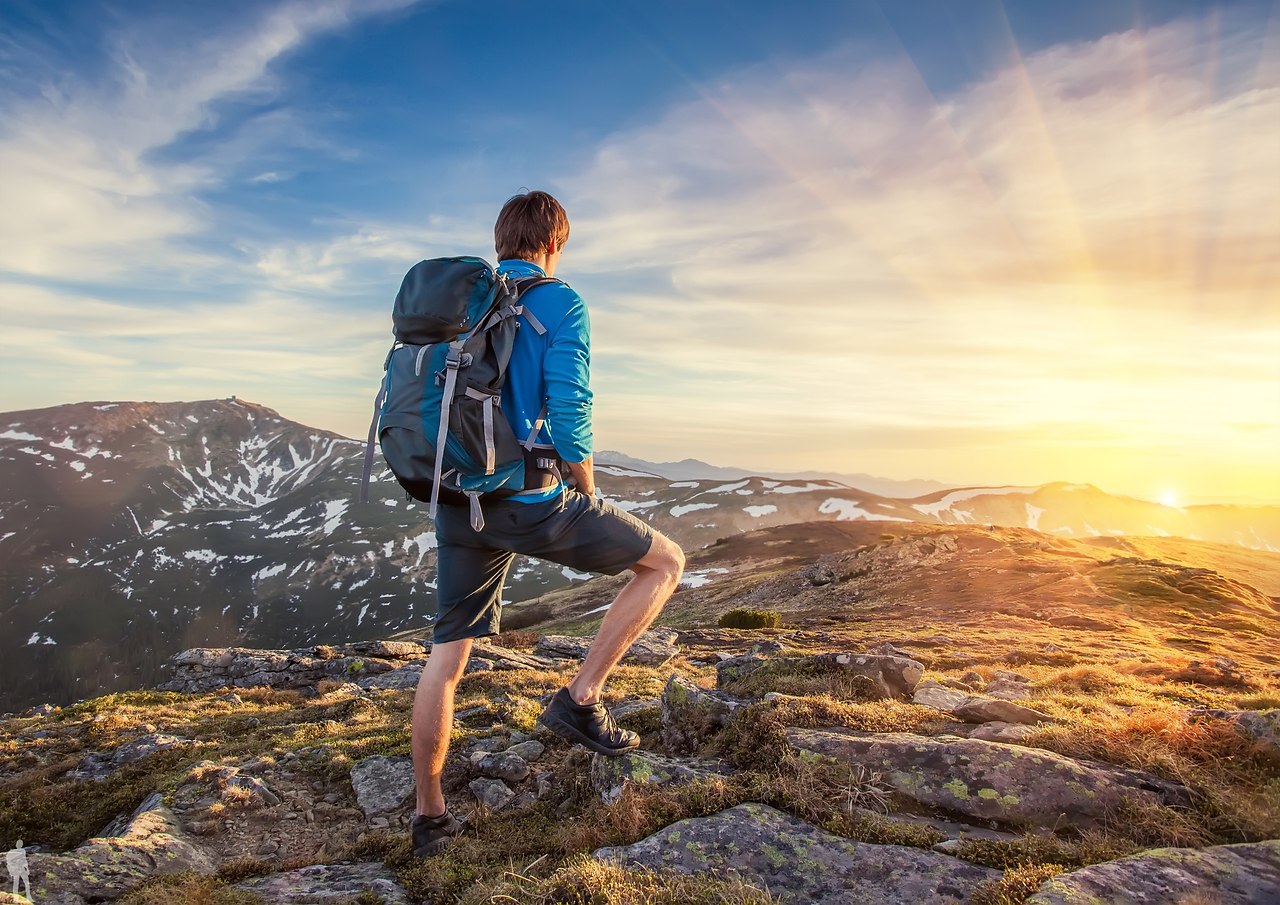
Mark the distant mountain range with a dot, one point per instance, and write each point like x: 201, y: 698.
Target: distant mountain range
x: 687, y: 469
x: 129, y: 531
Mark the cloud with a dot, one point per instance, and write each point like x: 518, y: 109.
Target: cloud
x: 1086, y: 235
x: 94, y: 178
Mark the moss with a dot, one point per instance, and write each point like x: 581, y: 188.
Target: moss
x: 957, y: 788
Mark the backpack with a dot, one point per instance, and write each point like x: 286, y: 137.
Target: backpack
x: 437, y: 417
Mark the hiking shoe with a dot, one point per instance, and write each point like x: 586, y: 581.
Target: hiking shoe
x: 432, y: 835
x: 586, y: 724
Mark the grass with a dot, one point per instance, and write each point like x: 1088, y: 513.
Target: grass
x: 1016, y: 886
x: 188, y: 888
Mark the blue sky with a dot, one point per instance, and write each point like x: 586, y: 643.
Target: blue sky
x: 982, y: 242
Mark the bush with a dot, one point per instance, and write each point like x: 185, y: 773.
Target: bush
x: 743, y: 618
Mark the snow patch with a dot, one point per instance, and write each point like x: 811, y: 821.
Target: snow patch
x: 630, y: 506
x: 333, y: 512
x: 956, y: 496
x: 799, y: 488
x: 574, y: 575
x: 1033, y: 517
x: 758, y: 511
x: 676, y: 484
x: 17, y: 435
x: 269, y: 572
x: 678, y: 511
x: 619, y: 472
x: 700, y: 577
x: 849, y: 510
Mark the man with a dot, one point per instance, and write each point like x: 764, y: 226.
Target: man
x: 548, y: 371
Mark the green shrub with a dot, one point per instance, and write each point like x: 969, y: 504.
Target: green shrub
x: 744, y: 618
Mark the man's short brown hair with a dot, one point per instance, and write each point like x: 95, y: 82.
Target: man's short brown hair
x: 527, y: 225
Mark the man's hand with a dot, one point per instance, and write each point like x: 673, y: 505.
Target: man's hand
x: 583, y: 475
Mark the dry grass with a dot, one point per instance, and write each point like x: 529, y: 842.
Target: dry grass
x: 188, y: 888
x: 1016, y: 886
x: 582, y: 880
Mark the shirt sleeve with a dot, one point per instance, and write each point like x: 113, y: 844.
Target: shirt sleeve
x: 567, y: 371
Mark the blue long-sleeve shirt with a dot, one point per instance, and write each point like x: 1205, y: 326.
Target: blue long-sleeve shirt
x: 552, y: 368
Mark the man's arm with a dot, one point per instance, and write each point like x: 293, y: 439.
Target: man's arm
x: 583, y: 475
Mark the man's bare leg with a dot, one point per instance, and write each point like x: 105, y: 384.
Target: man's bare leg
x: 636, y: 605
x: 433, y: 720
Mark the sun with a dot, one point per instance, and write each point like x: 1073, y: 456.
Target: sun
x: 1169, y: 497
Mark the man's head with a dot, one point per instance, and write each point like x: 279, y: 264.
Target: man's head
x: 532, y: 226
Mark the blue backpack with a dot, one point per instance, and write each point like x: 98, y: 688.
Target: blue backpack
x: 438, y: 416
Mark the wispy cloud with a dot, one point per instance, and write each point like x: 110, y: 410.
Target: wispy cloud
x: 1084, y: 237
x: 92, y: 186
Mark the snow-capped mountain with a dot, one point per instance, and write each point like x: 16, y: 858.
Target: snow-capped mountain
x: 129, y: 531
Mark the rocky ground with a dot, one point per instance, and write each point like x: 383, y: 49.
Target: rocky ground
x: 817, y: 762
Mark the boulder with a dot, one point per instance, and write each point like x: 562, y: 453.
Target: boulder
x: 634, y: 706
x: 989, y: 780
x: 105, y: 868
x: 1009, y: 690
x: 321, y: 884
x: 977, y: 709
x: 500, y: 765
x: 531, y: 749
x: 654, y: 647
x: 799, y: 862
x: 610, y: 774
x: 931, y: 694
x: 1225, y: 875
x: 885, y: 676
x: 492, y: 793
x: 692, y: 714
x: 382, y: 783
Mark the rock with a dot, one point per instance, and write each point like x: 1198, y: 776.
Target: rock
x: 692, y: 714
x: 885, y: 676
x: 468, y: 713
x: 973, y: 678
x: 1263, y: 726
x: 406, y: 676
x: 150, y: 842
x: 97, y: 765
x: 634, y: 706
x: 492, y: 743
x: 654, y: 647
x: 382, y: 783
x: 1005, y: 675
x: 992, y: 781
x: 269, y: 847
x: 259, y: 794
x: 475, y: 664
x: 528, y: 750
x: 768, y: 646
x: 799, y: 862
x: 1225, y: 875
x: 1009, y: 690
x: 205, y: 669
x: 328, y: 884
x: 492, y: 793
x: 507, y: 658
x: 820, y: 575
x: 1012, y: 733
x: 501, y: 765
x: 931, y: 694
x: 543, y: 783
x: 610, y: 774
x: 1215, y: 671
x: 889, y: 650
x: 977, y: 709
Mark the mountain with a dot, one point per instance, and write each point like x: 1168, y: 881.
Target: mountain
x: 696, y: 468
x: 129, y: 531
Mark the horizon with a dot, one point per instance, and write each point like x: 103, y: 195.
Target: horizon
x: 764, y: 473
x: 1015, y: 247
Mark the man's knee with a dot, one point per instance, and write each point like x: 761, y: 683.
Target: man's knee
x: 664, y: 556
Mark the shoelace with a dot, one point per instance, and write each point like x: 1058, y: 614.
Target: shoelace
x: 611, y: 728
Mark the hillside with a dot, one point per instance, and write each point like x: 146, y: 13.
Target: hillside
x: 945, y: 714
x: 130, y: 531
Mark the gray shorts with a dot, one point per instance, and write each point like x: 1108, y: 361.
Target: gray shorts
x: 572, y: 530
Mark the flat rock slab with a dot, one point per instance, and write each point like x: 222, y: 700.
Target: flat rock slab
x: 990, y: 780
x: 105, y: 868
x: 975, y: 708
x: 884, y: 676
x: 328, y: 883
x: 799, y: 862
x: 654, y: 647
x: 406, y: 676
x: 1225, y: 875
x: 382, y: 783
x: 610, y: 774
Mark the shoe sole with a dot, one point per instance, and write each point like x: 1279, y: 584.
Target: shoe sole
x: 571, y: 734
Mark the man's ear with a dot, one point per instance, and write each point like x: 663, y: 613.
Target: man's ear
x: 551, y: 247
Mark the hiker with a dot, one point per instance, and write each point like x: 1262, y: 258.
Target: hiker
x: 549, y: 519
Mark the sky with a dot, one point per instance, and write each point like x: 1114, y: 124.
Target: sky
x: 983, y: 242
